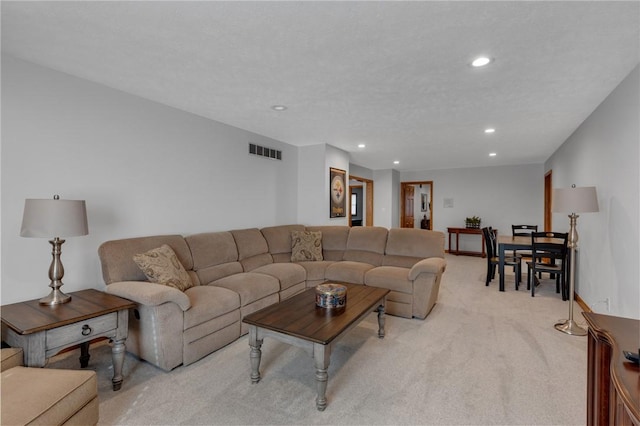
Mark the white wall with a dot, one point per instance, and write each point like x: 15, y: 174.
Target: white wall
x: 383, y: 200
x: 311, y: 173
x: 501, y: 196
x: 142, y: 167
x: 313, y: 179
x: 360, y: 171
x: 604, y: 152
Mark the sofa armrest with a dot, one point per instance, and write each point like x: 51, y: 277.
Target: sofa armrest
x: 434, y: 265
x: 149, y: 294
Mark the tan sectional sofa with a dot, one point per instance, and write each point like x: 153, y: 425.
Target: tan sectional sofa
x: 241, y: 271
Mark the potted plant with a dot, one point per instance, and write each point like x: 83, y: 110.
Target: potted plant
x: 473, y: 222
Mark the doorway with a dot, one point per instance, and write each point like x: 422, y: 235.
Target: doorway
x: 416, y: 204
x: 548, y: 185
x: 364, y: 205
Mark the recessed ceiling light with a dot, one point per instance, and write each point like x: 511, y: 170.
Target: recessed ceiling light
x: 396, y: 162
x: 481, y: 61
x: 493, y: 154
x: 361, y: 145
x: 490, y: 130
x: 278, y: 107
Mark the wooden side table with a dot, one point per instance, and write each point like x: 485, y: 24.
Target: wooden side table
x: 471, y: 231
x: 43, y: 331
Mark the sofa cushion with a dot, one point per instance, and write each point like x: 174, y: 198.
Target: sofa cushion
x: 391, y: 277
x: 208, y: 302
x: 406, y: 246
x: 253, y: 250
x: 215, y: 255
x: 334, y: 240
x: 250, y: 286
x: 288, y: 274
x: 213, y: 273
x: 211, y: 249
x: 161, y: 266
x: 347, y: 271
x: 279, y: 241
x: 306, y: 245
x: 46, y: 396
x: 315, y: 269
x: 116, y: 256
x: 366, y: 244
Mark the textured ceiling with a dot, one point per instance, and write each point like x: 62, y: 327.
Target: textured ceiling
x: 392, y: 75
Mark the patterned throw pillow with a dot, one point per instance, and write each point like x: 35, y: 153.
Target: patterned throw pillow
x: 306, y: 245
x: 161, y: 266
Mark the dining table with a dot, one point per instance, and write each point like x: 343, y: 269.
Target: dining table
x: 509, y: 242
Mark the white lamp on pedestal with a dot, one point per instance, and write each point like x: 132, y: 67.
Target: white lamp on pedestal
x: 54, y: 218
x: 573, y: 200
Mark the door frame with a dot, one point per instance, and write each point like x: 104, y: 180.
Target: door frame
x: 368, y: 199
x: 548, y: 191
x: 403, y: 185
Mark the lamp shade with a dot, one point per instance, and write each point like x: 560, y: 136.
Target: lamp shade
x: 575, y: 200
x: 54, y: 218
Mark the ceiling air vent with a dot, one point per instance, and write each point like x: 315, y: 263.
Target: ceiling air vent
x: 263, y: 151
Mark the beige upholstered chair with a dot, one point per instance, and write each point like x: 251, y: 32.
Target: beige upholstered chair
x: 46, y: 395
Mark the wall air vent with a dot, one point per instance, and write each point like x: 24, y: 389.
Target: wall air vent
x: 263, y: 151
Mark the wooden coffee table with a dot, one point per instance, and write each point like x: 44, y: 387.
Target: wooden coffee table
x: 299, y: 322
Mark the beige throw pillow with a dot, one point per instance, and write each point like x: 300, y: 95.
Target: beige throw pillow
x: 306, y: 245
x: 161, y: 266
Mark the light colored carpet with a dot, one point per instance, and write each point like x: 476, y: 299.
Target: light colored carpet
x: 481, y: 357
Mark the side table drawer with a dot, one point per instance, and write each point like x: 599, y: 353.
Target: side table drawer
x: 81, y: 330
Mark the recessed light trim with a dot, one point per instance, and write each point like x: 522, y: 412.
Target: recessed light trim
x: 396, y: 162
x: 279, y: 108
x: 492, y: 154
x: 361, y: 145
x: 490, y: 130
x: 481, y: 61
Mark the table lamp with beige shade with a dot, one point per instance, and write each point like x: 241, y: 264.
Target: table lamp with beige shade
x: 54, y: 218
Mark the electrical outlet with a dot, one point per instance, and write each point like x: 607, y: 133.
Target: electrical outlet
x: 606, y: 302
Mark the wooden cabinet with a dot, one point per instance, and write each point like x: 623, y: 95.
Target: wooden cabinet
x: 613, y: 383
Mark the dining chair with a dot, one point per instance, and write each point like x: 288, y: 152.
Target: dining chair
x: 493, y: 260
x: 548, y: 254
x: 523, y: 231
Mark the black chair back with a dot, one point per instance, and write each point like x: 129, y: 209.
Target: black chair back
x: 523, y: 230
x: 489, y: 241
x: 549, y: 246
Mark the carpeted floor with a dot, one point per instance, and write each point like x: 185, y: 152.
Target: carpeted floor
x: 481, y: 357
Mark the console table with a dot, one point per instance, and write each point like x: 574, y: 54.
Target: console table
x: 613, y: 382
x: 471, y: 231
x: 42, y: 331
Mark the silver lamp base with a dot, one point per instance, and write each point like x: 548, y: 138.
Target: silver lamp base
x: 570, y: 327
x: 56, y: 272
x: 56, y: 297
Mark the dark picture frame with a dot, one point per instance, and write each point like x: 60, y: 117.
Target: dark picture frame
x: 337, y: 193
